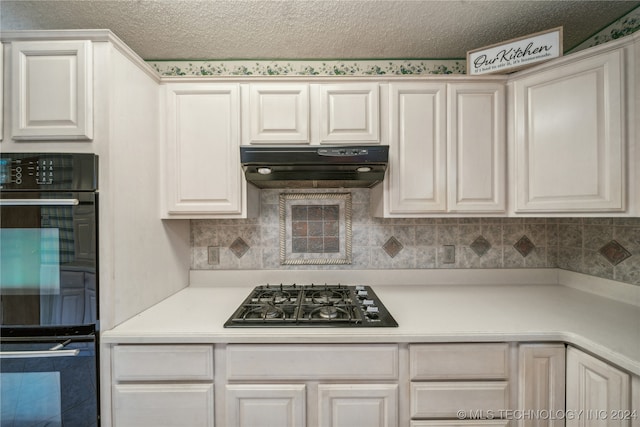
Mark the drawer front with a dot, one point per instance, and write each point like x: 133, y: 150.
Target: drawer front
x: 163, y: 362
x: 312, y: 362
x: 459, y: 361
x: 460, y: 423
x: 168, y: 405
x: 446, y: 399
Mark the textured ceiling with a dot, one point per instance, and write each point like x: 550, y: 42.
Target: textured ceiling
x: 309, y: 29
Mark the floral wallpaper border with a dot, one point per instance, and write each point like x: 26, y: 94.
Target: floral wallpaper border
x: 626, y: 25
x: 309, y: 68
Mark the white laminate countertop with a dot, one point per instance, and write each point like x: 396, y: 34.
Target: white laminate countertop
x: 429, y: 313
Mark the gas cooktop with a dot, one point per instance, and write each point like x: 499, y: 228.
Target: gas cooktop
x: 311, y: 306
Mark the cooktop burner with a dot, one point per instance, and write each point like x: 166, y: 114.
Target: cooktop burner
x: 311, y: 306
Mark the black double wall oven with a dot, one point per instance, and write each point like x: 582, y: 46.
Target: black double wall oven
x: 49, y: 289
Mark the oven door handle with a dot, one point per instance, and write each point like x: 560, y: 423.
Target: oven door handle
x: 55, y: 351
x: 38, y: 354
x: 39, y: 202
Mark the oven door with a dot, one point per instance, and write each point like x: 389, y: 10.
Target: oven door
x: 49, y: 381
x: 48, y: 262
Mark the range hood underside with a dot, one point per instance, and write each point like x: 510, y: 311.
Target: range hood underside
x: 309, y: 177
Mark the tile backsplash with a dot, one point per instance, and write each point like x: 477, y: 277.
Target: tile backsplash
x: 603, y: 247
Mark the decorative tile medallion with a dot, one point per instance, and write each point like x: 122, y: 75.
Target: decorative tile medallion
x: 239, y: 247
x: 315, y: 228
x: 480, y: 246
x: 392, y: 247
x: 524, y: 246
x: 614, y: 252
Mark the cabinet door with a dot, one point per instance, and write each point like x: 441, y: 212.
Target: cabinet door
x: 277, y: 113
x: 166, y: 405
x: 52, y: 94
x: 265, y: 405
x: 541, y: 385
x: 353, y: 405
x: 349, y: 113
x: 476, y: 147
x: 569, y: 146
x: 597, y: 389
x: 202, y: 158
x: 416, y: 180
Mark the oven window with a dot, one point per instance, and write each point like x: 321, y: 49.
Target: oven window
x: 31, y: 398
x: 30, y: 261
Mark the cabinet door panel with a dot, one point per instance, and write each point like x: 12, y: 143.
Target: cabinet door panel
x: 52, y: 85
x: 349, y: 113
x: 476, y: 142
x: 417, y: 150
x: 542, y: 385
x: 569, y: 143
x: 278, y: 113
x: 597, y: 389
x: 353, y: 405
x: 203, y: 155
x: 153, y: 405
x: 265, y: 405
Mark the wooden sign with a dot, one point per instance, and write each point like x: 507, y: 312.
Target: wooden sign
x: 515, y: 54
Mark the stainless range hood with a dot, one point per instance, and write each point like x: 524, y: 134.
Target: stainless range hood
x: 314, y: 166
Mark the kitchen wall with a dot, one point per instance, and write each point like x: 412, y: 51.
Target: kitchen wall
x: 603, y: 247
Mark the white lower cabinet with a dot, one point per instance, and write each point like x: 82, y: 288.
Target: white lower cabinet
x: 541, y: 385
x: 369, y: 385
x: 163, y: 385
x: 459, y: 384
x: 311, y: 385
x: 352, y: 405
x: 597, y: 391
x: 253, y: 405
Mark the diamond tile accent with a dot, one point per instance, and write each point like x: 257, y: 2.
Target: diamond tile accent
x: 392, y: 247
x: 524, y: 246
x: 614, y: 252
x: 239, y: 247
x: 480, y: 246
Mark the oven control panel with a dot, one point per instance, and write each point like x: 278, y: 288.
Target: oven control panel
x: 48, y: 171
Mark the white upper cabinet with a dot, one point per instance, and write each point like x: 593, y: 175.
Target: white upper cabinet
x: 276, y: 113
x: 311, y: 113
x: 446, y: 150
x: 202, y: 154
x: 416, y: 178
x: 476, y: 147
x: 349, y: 113
x: 569, y: 136
x: 52, y: 90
